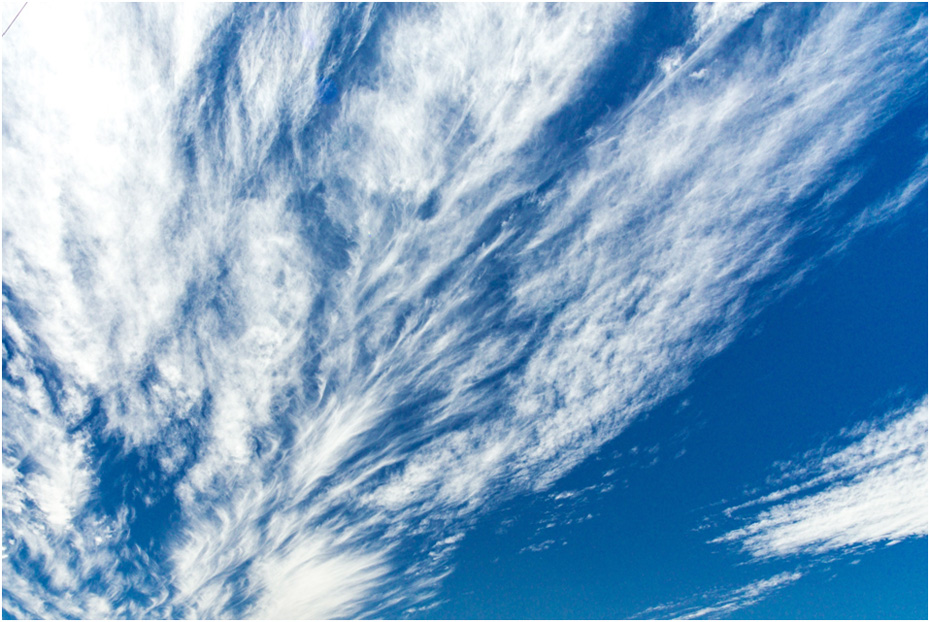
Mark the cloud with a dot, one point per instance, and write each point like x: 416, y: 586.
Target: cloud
x: 874, y: 490
x: 719, y: 18
x: 649, y: 248
x: 307, y: 262
x: 49, y: 487
x: 887, y: 208
x: 720, y: 604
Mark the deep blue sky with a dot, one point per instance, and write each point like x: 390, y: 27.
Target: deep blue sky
x: 465, y: 311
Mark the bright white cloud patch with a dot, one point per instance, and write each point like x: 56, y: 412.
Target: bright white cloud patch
x: 874, y: 490
x: 290, y: 282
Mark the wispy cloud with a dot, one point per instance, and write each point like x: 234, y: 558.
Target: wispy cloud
x: 48, y: 518
x: 317, y: 266
x: 874, y: 490
x: 721, y: 603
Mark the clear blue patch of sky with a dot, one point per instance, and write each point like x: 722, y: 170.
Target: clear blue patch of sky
x: 883, y: 582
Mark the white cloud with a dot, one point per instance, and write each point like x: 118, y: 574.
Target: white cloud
x: 723, y: 603
x: 48, y: 484
x: 682, y: 204
x: 720, y: 17
x: 887, y: 208
x: 313, y: 582
x: 328, y: 383
x: 874, y: 490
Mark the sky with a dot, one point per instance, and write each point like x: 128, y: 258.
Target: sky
x: 465, y: 311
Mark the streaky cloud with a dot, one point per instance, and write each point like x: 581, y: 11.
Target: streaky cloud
x: 872, y: 491
x: 717, y: 604
x: 315, y: 271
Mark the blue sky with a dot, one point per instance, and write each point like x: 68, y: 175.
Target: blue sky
x: 465, y: 311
